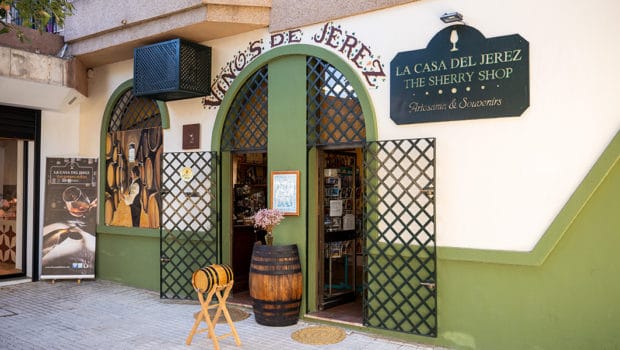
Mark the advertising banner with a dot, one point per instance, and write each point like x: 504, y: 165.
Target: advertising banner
x: 70, y: 218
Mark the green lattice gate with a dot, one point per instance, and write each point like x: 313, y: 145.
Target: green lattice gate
x: 400, y: 257
x: 189, y: 227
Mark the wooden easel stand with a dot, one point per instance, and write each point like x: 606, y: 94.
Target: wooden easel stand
x: 222, y: 293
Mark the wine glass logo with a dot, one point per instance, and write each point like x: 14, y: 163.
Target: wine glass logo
x: 76, y: 201
x: 454, y: 38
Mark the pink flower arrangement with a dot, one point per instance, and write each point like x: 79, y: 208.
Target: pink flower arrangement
x: 267, y: 219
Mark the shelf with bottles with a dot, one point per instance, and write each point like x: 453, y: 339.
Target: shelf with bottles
x: 248, y: 200
x: 251, y: 169
x: 339, y: 199
x: 250, y: 189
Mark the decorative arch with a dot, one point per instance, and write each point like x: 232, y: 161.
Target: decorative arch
x: 292, y: 148
x: 291, y: 50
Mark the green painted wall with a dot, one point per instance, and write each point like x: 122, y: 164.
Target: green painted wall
x: 128, y: 259
x: 286, y: 149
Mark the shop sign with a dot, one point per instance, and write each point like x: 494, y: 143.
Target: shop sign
x: 70, y: 216
x: 331, y: 36
x: 460, y: 75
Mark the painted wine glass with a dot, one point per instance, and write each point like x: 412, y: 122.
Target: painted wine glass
x: 76, y: 201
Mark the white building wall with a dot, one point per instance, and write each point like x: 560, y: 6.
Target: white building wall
x: 500, y: 181
x: 61, y: 134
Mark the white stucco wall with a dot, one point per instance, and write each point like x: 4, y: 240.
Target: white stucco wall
x: 61, y: 134
x: 500, y: 181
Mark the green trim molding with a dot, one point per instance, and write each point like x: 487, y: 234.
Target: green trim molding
x: 558, y: 227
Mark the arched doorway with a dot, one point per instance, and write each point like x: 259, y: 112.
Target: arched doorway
x: 398, y: 226
x: 316, y: 108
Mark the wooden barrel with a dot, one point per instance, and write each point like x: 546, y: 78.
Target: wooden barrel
x: 207, y: 278
x: 153, y: 210
x: 157, y: 170
x: 111, y: 175
x: 276, y: 284
x: 144, y: 140
x: 108, y: 146
x: 154, y: 138
x: 148, y: 173
x: 116, y: 201
x: 144, y: 200
x: 109, y: 210
x: 120, y: 178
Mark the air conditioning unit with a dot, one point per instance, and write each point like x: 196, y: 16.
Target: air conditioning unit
x: 172, y: 70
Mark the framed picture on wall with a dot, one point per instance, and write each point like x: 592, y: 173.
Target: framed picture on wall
x: 285, y: 191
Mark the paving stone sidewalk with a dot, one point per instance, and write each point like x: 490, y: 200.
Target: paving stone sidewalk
x: 106, y: 315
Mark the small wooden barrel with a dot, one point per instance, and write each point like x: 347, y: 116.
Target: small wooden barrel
x: 212, y: 276
x: 276, y: 284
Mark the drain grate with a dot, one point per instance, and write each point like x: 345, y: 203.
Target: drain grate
x: 6, y: 313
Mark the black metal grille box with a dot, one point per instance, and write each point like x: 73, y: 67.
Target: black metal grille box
x: 172, y: 70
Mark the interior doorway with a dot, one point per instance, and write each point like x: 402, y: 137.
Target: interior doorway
x: 340, y: 274
x: 249, y: 186
x: 12, y: 233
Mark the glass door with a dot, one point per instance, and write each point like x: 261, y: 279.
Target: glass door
x: 339, y: 217
x: 12, y: 238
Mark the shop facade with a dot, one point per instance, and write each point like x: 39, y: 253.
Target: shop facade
x: 480, y: 232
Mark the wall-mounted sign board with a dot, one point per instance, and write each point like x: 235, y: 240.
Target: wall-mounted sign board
x: 460, y: 75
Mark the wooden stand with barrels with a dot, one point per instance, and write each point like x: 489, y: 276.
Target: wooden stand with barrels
x: 213, y: 280
x: 276, y: 284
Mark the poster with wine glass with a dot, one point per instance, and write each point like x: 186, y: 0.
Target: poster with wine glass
x: 69, y: 219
